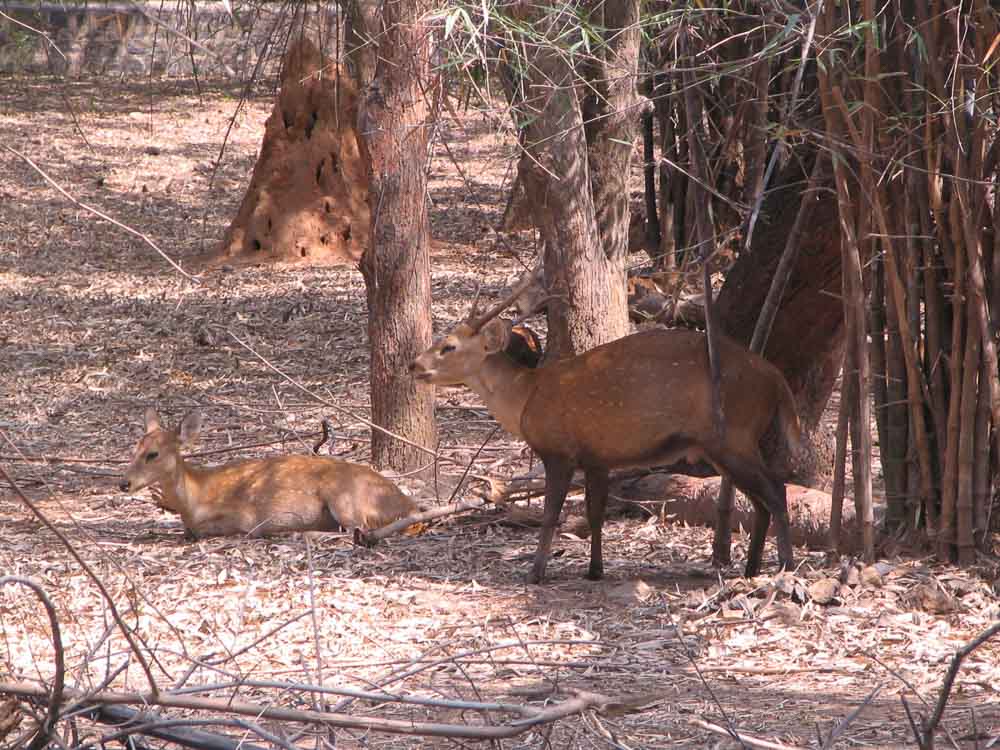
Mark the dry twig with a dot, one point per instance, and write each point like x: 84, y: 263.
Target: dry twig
x: 48, y: 726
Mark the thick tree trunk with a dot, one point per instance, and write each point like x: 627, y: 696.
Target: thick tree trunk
x: 394, y: 124
x: 611, y: 110
x: 360, y: 23
x: 585, y: 245
x: 807, y: 338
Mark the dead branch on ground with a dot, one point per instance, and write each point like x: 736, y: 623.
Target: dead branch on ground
x: 531, y: 717
x: 370, y: 538
x: 149, y: 724
x: 744, y: 739
x: 126, y: 631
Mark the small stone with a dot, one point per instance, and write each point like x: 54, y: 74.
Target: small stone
x: 870, y: 576
x: 824, y: 591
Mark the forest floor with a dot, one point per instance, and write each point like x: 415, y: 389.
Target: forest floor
x: 95, y: 327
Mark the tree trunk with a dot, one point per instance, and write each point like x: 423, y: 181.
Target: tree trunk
x: 807, y: 337
x: 610, y: 114
x: 575, y: 189
x: 360, y: 23
x: 394, y: 125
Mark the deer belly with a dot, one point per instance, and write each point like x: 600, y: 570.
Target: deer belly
x: 298, y: 513
x: 626, y: 454
x: 221, y: 522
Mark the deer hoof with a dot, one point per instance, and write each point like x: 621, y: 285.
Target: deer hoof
x: 535, y: 576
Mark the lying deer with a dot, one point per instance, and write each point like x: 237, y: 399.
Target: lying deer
x: 644, y: 399
x: 260, y: 496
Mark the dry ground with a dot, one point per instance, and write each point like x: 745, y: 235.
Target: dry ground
x: 94, y: 327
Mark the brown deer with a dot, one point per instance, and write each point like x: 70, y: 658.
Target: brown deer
x: 260, y: 496
x: 644, y: 399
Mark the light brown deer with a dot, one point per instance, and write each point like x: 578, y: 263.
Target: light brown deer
x: 644, y: 399
x: 260, y: 496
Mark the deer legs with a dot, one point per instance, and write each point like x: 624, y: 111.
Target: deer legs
x: 597, y: 500
x: 768, y: 497
x: 558, y: 473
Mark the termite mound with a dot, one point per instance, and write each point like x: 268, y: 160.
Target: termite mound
x: 307, y: 199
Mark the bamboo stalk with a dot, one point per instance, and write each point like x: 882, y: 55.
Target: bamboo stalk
x: 916, y: 388
x: 669, y: 177
x: 967, y: 442
x: 853, y: 300
x: 840, y: 453
x: 652, y: 224
x: 872, y: 117
x: 877, y: 356
x: 970, y: 192
x: 935, y: 353
x: 949, y: 481
x: 981, y: 469
x: 897, y: 421
x: 913, y: 302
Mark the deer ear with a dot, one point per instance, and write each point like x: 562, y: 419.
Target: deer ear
x: 190, y: 427
x: 496, y: 333
x: 152, y: 420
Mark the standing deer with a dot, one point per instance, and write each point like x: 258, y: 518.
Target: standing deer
x: 260, y: 496
x: 641, y: 400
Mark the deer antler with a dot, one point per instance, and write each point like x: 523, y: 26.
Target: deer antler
x: 536, y: 308
x: 520, y: 288
x: 475, y: 301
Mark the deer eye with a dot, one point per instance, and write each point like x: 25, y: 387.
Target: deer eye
x: 447, y: 348
x: 152, y: 456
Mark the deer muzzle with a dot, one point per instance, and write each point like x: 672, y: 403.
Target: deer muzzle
x: 419, y: 371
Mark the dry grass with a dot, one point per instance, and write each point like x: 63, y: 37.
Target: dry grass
x: 94, y: 327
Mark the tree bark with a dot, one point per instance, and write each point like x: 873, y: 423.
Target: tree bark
x: 610, y: 115
x: 360, y: 22
x: 578, y: 201
x: 394, y: 126
x: 807, y: 337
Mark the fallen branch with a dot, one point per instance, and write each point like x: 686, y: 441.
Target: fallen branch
x: 47, y: 727
x: 841, y: 727
x: 126, y: 631
x: 578, y: 703
x: 138, y: 722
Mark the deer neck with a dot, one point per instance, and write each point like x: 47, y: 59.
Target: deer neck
x: 505, y: 388
x: 180, y: 491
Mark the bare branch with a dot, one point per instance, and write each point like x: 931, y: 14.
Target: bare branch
x: 126, y: 631
x: 48, y: 726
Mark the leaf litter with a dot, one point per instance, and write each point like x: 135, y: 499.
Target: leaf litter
x: 94, y: 328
